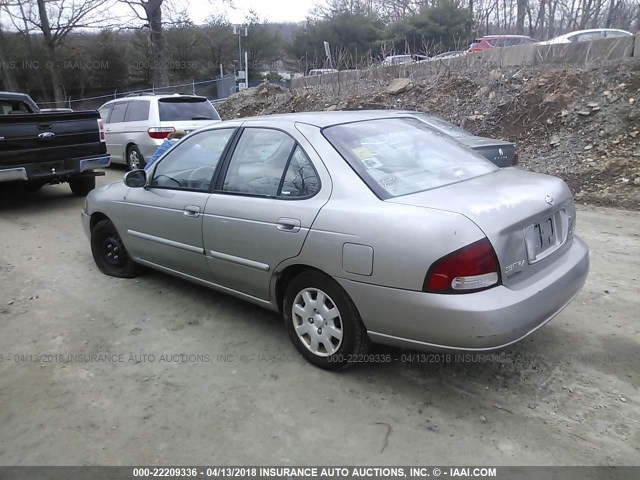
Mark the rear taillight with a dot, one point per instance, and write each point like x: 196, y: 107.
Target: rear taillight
x: 469, y: 269
x: 515, y: 158
x: 103, y: 135
x: 160, y: 133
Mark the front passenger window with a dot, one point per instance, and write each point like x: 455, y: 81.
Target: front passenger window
x: 192, y: 163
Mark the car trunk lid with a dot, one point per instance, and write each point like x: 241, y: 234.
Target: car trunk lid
x: 527, y: 217
x: 498, y: 152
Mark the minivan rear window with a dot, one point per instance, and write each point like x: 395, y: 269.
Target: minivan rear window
x: 400, y: 156
x: 186, y: 108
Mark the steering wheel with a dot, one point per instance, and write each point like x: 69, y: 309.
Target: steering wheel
x: 201, y: 177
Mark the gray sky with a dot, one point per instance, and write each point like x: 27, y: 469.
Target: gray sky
x: 273, y: 10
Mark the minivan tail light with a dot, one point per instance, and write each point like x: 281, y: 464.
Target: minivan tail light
x: 103, y: 135
x: 516, y: 159
x: 469, y: 269
x: 160, y: 133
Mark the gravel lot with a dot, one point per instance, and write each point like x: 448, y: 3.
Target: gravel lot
x: 240, y: 394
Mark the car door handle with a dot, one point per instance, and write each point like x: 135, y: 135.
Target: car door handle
x: 191, y: 211
x: 288, y: 225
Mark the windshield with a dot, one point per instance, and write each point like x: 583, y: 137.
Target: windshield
x: 399, y: 156
x: 186, y: 108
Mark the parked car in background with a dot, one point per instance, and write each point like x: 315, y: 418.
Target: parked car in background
x: 321, y: 71
x: 137, y: 125
x: 497, y: 41
x: 396, y: 60
x: 356, y: 226
x: 39, y: 148
x: 587, y: 36
x: 451, y: 54
x: 499, y: 152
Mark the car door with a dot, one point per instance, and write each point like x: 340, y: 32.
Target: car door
x: 134, y: 128
x: 163, y: 221
x: 115, y: 131
x: 264, y: 203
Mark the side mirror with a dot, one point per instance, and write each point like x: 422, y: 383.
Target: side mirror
x: 135, y: 179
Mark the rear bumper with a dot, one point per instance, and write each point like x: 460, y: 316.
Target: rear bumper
x: 98, y: 162
x: 487, y: 320
x: 46, y: 171
x: 85, y: 218
x: 149, y: 147
x: 13, y: 174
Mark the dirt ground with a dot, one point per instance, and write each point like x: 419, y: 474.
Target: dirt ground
x: 196, y: 377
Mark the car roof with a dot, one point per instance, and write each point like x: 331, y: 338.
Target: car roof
x: 14, y: 94
x: 326, y: 119
x: 592, y: 30
x: 503, y: 36
x: 149, y: 96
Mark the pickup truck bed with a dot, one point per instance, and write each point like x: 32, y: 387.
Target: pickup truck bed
x: 41, y: 148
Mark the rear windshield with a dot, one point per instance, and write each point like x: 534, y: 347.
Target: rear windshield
x: 399, y: 156
x: 12, y: 107
x: 180, y: 108
x: 442, y: 125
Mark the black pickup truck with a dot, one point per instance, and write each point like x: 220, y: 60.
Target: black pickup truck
x: 38, y: 148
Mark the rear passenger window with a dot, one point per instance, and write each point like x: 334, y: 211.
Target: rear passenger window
x: 104, y: 113
x: 587, y: 37
x: 138, y: 110
x: 118, y: 112
x: 258, y: 162
x: 300, y: 180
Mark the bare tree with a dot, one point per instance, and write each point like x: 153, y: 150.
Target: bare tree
x: 55, y: 20
x: 8, y: 76
x: 522, y: 10
x: 152, y: 15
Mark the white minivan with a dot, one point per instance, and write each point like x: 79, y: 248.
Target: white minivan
x: 137, y: 124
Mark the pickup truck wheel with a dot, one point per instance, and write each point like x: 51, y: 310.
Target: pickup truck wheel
x: 81, y: 186
x: 135, y: 160
x: 109, y: 253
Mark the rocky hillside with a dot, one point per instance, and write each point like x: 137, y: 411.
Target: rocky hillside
x: 580, y: 124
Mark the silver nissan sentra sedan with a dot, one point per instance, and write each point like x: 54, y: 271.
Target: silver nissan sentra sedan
x: 357, y: 227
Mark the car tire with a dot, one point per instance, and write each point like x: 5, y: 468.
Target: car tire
x: 311, y: 299
x: 135, y: 160
x: 109, y: 251
x: 81, y: 186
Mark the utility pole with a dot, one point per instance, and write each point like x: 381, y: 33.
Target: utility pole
x: 241, y: 31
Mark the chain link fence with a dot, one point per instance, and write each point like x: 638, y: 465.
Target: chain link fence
x: 215, y: 89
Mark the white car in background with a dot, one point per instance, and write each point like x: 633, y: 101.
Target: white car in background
x: 138, y: 124
x: 321, y: 71
x: 396, y: 60
x: 587, y: 36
